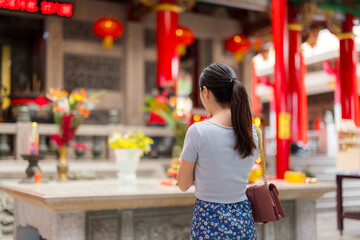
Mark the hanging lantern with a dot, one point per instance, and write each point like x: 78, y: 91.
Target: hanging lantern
x: 238, y: 44
x: 185, y: 38
x: 257, y: 44
x: 108, y: 29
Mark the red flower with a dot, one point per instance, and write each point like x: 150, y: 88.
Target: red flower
x: 56, y: 138
x: 67, y: 131
x: 80, y: 146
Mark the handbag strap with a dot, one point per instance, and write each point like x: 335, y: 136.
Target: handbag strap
x: 263, y: 166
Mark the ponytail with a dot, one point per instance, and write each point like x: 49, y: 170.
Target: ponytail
x: 220, y: 79
x: 242, y: 120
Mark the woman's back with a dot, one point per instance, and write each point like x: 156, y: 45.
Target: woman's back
x: 219, y: 158
x: 220, y: 172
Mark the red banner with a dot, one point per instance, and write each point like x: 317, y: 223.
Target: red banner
x: 44, y: 7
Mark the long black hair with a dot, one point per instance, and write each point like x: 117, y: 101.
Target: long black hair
x: 221, y: 80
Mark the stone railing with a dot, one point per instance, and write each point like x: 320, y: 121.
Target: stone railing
x: 98, y: 133
x: 95, y: 136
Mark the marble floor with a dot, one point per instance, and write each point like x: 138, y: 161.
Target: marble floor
x: 327, y: 228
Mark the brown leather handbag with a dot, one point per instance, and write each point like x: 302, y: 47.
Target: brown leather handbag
x: 265, y: 203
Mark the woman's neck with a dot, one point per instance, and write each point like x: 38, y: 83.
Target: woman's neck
x: 222, y: 116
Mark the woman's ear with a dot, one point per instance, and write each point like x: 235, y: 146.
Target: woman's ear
x: 205, y: 91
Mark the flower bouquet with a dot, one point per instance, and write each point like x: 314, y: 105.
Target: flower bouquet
x: 128, y: 149
x: 131, y: 140
x: 178, y: 121
x: 69, y: 112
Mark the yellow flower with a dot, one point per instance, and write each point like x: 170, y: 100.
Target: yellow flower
x: 131, y: 140
x: 79, y: 97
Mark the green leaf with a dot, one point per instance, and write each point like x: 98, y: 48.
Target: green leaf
x: 97, y: 94
x: 57, y: 118
x: 145, y: 109
x: 149, y: 100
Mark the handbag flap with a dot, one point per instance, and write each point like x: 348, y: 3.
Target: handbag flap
x: 265, y: 203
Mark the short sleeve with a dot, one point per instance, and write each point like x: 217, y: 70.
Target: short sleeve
x: 191, y: 145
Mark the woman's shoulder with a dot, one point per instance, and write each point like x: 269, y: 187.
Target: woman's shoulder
x: 254, y: 127
x: 198, y: 127
x: 255, y: 135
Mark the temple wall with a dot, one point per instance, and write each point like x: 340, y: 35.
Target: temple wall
x: 75, y: 57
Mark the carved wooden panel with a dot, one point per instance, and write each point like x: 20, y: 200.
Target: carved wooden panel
x: 98, y: 116
x: 150, y: 38
x: 82, y: 31
x: 150, y: 77
x: 91, y: 72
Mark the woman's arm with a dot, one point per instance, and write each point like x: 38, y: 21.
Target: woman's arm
x: 185, y: 175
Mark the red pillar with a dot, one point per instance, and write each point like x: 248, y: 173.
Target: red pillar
x: 255, y: 98
x: 334, y: 71
x: 283, y: 116
x: 349, y: 84
x: 298, y: 95
x: 168, y: 58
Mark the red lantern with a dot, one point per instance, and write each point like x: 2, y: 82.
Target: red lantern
x: 185, y: 38
x: 108, y: 29
x: 257, y: 44
x: 238, y: 44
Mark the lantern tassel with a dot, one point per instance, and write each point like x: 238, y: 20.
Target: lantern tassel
x: 108, y: 41
x: 238, y: 56
x: 181, y: 48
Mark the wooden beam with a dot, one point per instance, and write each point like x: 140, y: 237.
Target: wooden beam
x: 261, y: 6
x: 138, y: 11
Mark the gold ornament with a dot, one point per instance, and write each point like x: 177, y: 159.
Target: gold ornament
x: 346, y: 35
x: 313, y: 37
x: 307, y: 12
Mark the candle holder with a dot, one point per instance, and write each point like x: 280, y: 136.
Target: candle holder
x: 32, y: 168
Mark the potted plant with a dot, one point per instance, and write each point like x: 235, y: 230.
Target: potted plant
x: 128, y: 148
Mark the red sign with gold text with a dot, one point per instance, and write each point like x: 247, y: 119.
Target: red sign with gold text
x: 34, y: 6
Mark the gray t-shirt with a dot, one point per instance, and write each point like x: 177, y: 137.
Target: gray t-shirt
x: 220, y: 172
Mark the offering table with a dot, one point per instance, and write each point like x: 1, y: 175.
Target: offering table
x: 103, y: 209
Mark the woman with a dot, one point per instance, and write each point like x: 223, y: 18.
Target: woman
x: 218, y: 155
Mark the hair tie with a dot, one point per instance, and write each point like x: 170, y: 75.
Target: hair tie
x: 232, y: 79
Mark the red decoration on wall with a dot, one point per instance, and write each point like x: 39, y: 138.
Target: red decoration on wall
x: 62, y: 9
x: 22, y: 5
x: 40, y: 101
x: 185, y: 38
x: 108, y: 29
x: 32, y: 6
x: 238, y: 44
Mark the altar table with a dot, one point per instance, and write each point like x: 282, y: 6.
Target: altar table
x: 103, y: 209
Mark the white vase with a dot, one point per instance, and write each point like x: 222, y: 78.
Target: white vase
x: 127, y: 161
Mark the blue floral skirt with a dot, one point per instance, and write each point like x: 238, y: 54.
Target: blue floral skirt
x: 222, y: 221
